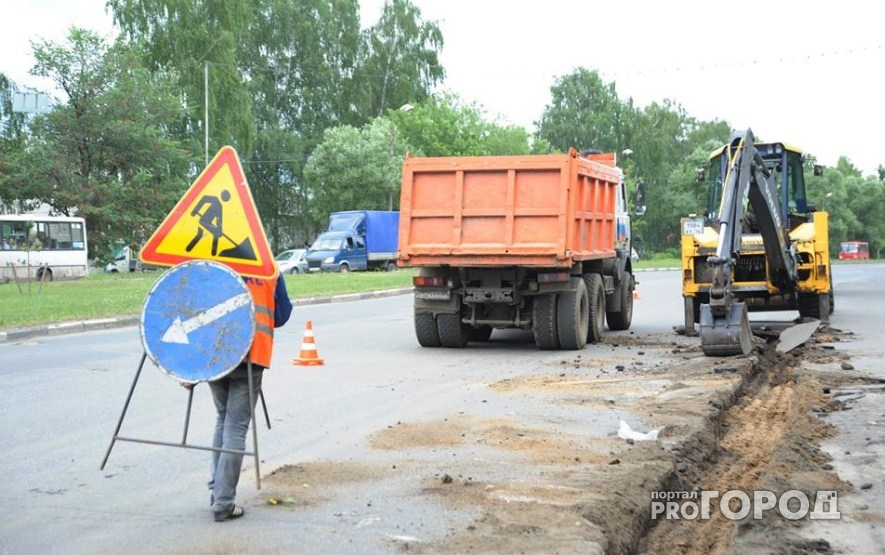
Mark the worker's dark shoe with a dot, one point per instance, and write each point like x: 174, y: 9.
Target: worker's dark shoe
x: 228, y: 514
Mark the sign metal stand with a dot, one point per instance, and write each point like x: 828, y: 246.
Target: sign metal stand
x: 189, y: 308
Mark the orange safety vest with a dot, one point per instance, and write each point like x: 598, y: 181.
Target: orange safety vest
x: 262, y: 291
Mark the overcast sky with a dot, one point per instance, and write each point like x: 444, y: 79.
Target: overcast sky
x: 805, y: 73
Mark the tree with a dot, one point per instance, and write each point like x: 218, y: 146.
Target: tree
x: 274, y: 171
x: 399, y: 60
x: 445, y: 126
x: 12, y: 140
x: 668, y: 146
x: 279, y: 74
x: 656, y: 146
x: 103, y: 154
x: 189, y: 38
x: 338, y: 177
x: 361, y: 168
x: 586, y: 113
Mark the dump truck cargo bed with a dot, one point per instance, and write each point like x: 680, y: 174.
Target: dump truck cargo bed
x: 494, y: 211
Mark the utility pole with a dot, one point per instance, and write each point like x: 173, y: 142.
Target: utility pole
x: 206, y: 108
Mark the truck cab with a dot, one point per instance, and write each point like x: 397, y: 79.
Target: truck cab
x: 337, y: 251
x: 123, y: 261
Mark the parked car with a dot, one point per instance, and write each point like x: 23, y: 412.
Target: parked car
x: 292, y: 261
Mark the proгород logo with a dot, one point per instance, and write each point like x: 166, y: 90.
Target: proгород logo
x: 738, y: 505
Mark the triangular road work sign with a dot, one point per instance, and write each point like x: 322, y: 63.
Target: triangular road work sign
x: 214, y: 220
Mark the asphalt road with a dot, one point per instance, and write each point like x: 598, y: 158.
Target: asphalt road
x: 65, y: 393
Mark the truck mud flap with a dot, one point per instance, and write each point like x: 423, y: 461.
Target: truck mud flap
x: 726, y: 335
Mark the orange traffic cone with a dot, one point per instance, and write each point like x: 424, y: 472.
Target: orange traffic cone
x: 308, y: 356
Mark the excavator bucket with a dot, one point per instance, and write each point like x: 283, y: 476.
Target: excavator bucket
x: 726, y: 335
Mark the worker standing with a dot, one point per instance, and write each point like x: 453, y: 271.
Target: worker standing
x: 231, y: 395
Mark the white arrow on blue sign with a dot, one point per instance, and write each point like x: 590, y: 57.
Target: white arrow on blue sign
x: 198, y: 321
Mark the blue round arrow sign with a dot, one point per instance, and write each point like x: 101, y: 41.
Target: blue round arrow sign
x: 198, y: 321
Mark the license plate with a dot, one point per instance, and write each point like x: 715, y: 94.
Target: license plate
x: 693, y: 227
x: 433, y: 295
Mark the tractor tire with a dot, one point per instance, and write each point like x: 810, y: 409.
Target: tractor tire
x: 809, y: 305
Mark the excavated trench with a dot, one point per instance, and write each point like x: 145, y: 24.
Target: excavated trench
x: 549, y: 473
x: 753, y: 424
x: 765, y: 438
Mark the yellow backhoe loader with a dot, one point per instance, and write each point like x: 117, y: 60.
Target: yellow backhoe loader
x: 760, y: 245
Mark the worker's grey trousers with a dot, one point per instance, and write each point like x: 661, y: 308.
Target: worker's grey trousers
x: 231, y: 397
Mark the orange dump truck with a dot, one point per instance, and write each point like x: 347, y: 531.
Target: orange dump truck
x: 538, y: 243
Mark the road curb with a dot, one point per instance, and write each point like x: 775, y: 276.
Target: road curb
x: 22, y: 334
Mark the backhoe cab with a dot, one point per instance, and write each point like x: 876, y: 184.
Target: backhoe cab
x: 759, y: 246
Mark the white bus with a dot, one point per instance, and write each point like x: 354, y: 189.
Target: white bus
x: 42, y: 247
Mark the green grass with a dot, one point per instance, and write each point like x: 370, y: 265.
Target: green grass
x: 657, y: 263
x: 111, y: 295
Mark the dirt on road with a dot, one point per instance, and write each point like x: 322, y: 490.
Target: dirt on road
x: 536, y: 484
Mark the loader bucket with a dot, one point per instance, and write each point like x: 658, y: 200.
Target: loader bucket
x: 728, y: 335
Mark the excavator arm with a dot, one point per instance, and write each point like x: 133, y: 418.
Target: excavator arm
x: 724, y: 322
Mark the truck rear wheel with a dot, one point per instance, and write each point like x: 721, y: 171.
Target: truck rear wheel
x: 596, y: 302
x: 573, y: 316
x: 621, y: 319
x: 544, y: 322
x: 426, y: 330
x: 452, y: 333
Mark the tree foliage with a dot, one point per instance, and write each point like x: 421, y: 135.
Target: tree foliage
x: 281, y: 72
x: 586, y: 113
x: 446, y: 126
x: 856, y: 205
x: 187, y: 38
x: 12, y: 139
x: 318, y: 109
x: 355, y: 169
x: 399, y: 59
x: 105, y: 154
x: 658, y: 146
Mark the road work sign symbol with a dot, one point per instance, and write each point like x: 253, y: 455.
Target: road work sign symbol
x: 214, y: 220
x: 198, y: 321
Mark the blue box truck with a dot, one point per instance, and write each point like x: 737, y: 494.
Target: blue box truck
x: 356, y: 240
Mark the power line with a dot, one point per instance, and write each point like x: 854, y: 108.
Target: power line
x: 779, y: 59
x: 754, y: 62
